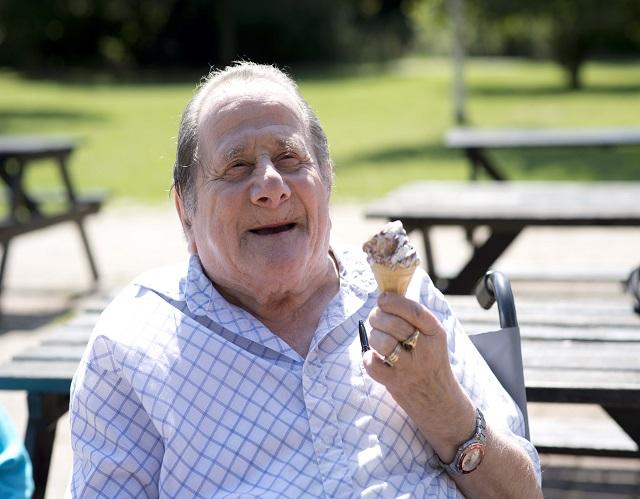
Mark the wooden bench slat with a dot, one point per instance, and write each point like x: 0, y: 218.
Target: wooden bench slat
x: 587, y: 305
x: 595, y: 321
x: 10, y: 229
x: 581, y: 356
x: 37, y: 376
x: 51, y: 354
x: 595, y: 334
x: 68, y: 337
x: 619, y: 320
x: 627, y: 321
x: 85, y: 320
x: 567, y: 315
x: 537, y: 378
x: 571, y: 435
x: 463, y: 138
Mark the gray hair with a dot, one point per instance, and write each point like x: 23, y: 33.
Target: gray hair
x: 187, y: 158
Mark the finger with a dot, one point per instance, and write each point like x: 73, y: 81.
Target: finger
x: 412, y: 312
x: 412, y: 341
x: 379, y: 371
x: 391, y: 324
x: 382, y: 342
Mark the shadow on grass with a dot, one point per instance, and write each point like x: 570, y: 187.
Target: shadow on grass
x: 345, y: 71
x: 15, y: 118
x: 87, y: 77
x: 584, y: 164
x: 190, y: 75
x: 549, y: 91
x: 427, y: 151
x: 597, y: 164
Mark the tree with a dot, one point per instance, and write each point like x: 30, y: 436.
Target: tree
x: 574, y: 29
x: 123, y: 35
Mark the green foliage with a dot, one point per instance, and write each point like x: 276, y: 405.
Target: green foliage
x: 385, y: 123
x: 122, y: 35
x: 569, y: 32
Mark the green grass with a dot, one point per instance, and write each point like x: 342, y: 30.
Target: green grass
x: 385, y: 125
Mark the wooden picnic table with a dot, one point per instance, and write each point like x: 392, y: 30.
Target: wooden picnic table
x: 475, y: 142
x: 573, y: 351
x: 579, y: 351
x: 506, y: 208
x: 24, y: 208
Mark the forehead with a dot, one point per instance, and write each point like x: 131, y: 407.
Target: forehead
x: 244, y: 111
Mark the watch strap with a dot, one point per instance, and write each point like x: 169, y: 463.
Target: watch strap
x: 475, y: 443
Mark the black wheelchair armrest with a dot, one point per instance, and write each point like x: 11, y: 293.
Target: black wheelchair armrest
x: 632, y: 286
x: 495, y: 286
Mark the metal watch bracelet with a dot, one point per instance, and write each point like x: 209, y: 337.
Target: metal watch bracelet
x: 470, y: 453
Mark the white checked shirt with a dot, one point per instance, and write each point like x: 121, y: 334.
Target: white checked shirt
x: 181, y: 394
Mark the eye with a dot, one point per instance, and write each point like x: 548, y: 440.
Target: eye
x: 238, y: 164
x: 238, y: 169
x: 288, y: 160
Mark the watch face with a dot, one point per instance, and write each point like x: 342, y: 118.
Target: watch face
x: 471, y: 458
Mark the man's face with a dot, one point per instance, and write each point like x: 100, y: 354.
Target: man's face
x: 262, y: 216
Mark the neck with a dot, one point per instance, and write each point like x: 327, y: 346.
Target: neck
x: 292, y: 314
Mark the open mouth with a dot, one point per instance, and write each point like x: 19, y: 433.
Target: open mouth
x: 276, y: 229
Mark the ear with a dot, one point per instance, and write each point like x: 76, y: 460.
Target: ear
x: 187, y: 226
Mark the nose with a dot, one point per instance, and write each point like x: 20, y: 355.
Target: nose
x: 269, y: 189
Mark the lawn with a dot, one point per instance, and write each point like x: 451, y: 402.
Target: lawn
x: 385, y: 125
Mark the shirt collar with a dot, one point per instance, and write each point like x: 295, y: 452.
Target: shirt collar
x: 355, y: 274
x: 203, y: 299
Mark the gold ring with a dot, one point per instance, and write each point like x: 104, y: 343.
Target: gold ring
x: 410, y: 343
x: 393, y: 357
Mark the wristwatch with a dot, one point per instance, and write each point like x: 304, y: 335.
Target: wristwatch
x: 470, y: 453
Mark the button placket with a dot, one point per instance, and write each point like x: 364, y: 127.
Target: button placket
x: 323, y: 424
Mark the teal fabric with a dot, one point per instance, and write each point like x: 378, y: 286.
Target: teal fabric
x: 15, y: 466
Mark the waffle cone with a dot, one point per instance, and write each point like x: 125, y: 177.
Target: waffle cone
x: 392, y: 280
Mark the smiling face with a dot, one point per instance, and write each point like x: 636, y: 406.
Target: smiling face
x: 261, y: 223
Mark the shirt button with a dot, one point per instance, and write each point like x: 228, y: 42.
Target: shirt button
x: 312, y: 370
x: 328, y: 435
x: 319, y: 389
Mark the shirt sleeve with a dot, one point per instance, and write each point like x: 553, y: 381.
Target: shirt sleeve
x: 475, y: 376
x: 117, y: 451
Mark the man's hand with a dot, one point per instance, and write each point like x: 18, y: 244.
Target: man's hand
x: 421, y: 381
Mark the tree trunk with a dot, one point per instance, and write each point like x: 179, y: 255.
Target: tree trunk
x: 226, y: 27
x: 574, y: 75
x: 456, y: 13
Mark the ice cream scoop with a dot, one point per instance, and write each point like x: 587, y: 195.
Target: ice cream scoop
x: 392, y: 258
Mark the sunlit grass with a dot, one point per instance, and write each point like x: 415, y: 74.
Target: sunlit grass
x: 385, y: 125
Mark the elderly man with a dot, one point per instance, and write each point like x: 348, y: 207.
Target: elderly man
x: 241, y: 373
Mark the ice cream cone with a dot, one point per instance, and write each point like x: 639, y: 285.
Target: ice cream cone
x: 393, y: 280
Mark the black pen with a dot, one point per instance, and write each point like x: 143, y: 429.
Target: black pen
x: 364, y: 341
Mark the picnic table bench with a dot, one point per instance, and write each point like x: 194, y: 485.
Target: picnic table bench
x: 506, y: 208
x: 574, y: 352
x: 23, y: 212
x: 475, y: 142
